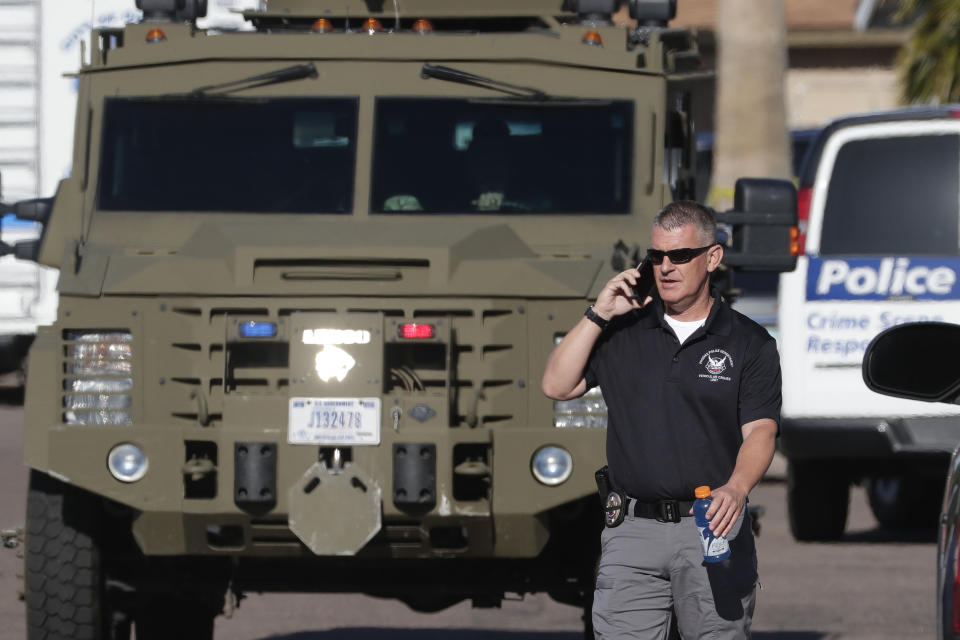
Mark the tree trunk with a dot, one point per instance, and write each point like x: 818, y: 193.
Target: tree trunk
x: 751, y: 136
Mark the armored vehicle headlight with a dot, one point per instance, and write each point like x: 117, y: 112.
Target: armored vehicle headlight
x: 98, y: 383
x: 127, y: 462
x: 589, y: 410
x: 551, y: 465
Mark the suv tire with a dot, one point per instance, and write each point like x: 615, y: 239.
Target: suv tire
x: 905, y: 502
x: 818, y: 498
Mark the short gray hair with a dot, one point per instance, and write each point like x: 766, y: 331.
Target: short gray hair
x: 683, y: 212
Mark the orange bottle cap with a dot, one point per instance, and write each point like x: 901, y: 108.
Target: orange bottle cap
x: 702, y: 492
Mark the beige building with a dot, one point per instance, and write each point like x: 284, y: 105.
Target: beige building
x: 841, y: 55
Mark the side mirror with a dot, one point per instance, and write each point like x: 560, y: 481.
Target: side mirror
x: 915, y: 361
x: 27, y: 250
x: 37, y: 209
x: 762, y: 226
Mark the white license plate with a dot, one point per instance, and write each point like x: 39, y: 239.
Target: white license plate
x: 346, y: 421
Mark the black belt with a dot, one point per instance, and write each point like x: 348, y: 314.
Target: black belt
x: 662, y: 510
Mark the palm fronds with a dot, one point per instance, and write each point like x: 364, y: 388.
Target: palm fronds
x: 928, y: 65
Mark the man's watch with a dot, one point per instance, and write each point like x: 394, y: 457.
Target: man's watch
x: 593, y: 317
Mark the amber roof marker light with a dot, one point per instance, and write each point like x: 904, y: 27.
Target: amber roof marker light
x: 422, y: 27
x: 322, y: 25
x: 372, y: 26
x: 156, y: 35
x: 592, y: 38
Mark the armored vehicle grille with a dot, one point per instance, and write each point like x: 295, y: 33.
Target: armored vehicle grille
x: 477, y: 364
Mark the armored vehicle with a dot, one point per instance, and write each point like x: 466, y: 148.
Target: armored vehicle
x: 310, y: 275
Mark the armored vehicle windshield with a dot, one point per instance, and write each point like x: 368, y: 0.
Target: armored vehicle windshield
x: 467, y: 156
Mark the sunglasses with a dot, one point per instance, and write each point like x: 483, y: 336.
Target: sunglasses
x: 677, y: 256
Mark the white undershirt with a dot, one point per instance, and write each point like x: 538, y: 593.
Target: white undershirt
x: 684, y: 329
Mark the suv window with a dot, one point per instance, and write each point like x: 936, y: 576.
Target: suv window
x: 894, y: 196
x: 204, y: 154
x: 470, y: 156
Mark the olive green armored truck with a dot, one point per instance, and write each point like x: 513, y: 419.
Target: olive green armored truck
x: 310, y: 274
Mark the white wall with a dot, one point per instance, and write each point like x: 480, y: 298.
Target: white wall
x: 18, y: 99
x: 64, y: 24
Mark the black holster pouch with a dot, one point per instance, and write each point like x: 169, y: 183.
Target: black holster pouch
x: 613, y: 500
x: 603, y: 482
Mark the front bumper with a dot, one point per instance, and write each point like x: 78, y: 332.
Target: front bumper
x: 883, y: 440
x: 511, y: 521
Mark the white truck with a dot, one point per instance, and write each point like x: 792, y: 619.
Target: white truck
x: 880, y: 195
x: 28, y: 296
x: 41, y: 44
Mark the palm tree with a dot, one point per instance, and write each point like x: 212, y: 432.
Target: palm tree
x: 751, y: 135
x: 929, y: 63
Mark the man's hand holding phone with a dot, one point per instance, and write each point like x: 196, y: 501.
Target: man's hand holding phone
x: 630, y: 289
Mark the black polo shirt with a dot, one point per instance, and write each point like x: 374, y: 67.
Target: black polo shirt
x: 675, y: 411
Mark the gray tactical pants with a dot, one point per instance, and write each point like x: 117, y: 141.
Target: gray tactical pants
x: 649, y: 568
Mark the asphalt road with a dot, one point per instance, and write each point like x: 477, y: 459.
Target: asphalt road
x: 874, y: 584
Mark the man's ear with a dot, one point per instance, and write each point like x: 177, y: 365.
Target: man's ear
x: 714, y: 257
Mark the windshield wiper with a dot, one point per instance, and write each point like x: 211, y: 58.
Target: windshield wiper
x: 287, y: 74
x: 463, y: 77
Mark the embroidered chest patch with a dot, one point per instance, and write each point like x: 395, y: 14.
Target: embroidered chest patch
x: 714, y: 363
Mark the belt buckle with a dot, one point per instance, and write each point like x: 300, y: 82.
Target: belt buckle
x: 669, y: 511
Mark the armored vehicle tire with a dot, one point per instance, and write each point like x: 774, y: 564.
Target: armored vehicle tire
x: 64, y: 580
x: 905, y: 502
x: 818, y: 497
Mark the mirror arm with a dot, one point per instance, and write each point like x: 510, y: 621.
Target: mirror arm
x: 27, y: 250
x: 36, y: 210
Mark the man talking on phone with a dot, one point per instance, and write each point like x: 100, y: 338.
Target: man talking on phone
x: 693, y: 395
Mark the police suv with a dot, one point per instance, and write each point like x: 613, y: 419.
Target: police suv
x: 879, y: 203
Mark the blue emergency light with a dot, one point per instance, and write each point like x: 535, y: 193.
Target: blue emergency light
x: 255, y: 329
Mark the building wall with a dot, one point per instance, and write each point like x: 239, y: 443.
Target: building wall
x: 816, y: 96
x: 19, y: 97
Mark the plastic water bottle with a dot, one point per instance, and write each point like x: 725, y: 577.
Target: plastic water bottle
x: 715, y: 549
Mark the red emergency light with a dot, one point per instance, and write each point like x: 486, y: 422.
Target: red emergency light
x: 416, y: 331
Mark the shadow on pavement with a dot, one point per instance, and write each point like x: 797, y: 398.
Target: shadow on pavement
x: 360, y: 633
x: 12, y: 396
x: 492, y: 634
x: 883, y: 535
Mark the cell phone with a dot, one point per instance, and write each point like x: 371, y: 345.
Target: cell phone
x: 645, y: 283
